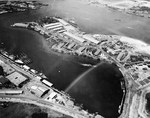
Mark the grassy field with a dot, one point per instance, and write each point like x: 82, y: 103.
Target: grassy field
x: 19, y: 110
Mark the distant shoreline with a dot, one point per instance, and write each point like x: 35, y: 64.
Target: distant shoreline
x: 141, y: 9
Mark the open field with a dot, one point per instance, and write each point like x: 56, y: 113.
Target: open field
x: 21, y: 110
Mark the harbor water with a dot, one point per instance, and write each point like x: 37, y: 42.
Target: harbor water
x: 99, y: 90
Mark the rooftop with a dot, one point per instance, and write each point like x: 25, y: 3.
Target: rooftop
x: 16, y: 78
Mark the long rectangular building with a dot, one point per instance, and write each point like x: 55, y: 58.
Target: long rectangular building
x: 74, y: 37
x: 47, y: 83
x: 11, y: 92
x: 52, y: 24
x: 52, y: 27
x: 61, y: 31
x: 91, y: 39
x: 62, y: 21
x: 57, y: 29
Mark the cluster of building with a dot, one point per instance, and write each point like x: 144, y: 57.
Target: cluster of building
x: 21, y: 4
x: 54, y: 27
x: 70, y: 40
x: 134, y: 63
x: 11, y: 6
x: 27, y: 82
x: 140, y: 74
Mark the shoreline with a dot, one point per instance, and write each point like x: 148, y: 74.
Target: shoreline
x: 124, y: 60
x: 19, y: 6
x: 70, y: 53
x: 137, y: 8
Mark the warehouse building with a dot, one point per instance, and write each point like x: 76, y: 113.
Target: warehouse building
x: 81, y: 50
x: 16, y: 78
x: 39, y: 91
x: 71, y: 45
x: 74, y: 37
x: 57, y: 29
x: 49, y: 25
x: 47, y: 83
x: 61, y: 31
x: 26, y: 67
x: 91, y: 39
x: 123, y: 56
x: 52, y: 27
x: 97, y: 52
x: 11, y: 92
x: 7, y: 69
x: 63, y: 22
x: 51, y: 96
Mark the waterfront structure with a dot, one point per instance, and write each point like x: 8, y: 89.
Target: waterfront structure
x: 47, y: 83
x: 26, y: 67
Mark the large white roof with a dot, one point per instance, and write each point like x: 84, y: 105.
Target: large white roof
x: 52, y: 94
x: 47, y: 83
x: 90, y: 38
x: 63, y: 22
x: 74, y: 37
x: 52, y: 27
x: 51, y: 24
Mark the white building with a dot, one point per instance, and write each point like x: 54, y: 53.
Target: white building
x: 74, y: 37
x: 52, y: 27
x: 63, y: 22
x: 47, y: 83
x: 91, y: 39
x: 26, y: 67
x: 49, y: 25
x: 10, y: 92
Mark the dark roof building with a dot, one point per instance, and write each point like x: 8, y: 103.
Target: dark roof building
x: 3, y: 80
x: 1, y: 71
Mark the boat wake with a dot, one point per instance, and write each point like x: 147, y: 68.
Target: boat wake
x: 80, y: 77
x: 87, y: 65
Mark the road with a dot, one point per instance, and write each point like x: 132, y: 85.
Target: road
x: 42, y: 103
x: 128, y: 94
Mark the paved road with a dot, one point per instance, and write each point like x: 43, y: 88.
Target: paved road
x: 42, y: 103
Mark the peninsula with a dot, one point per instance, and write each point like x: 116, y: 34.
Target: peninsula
x: 19, y: 6
x: 136, y: 7
x: 130, y: 55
